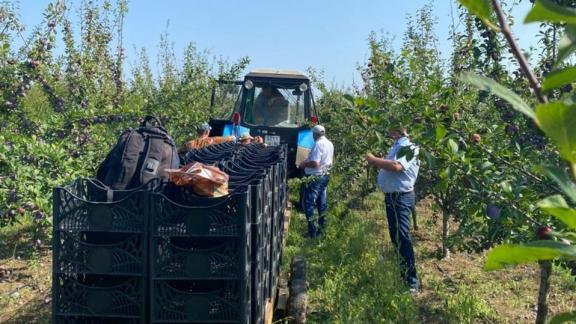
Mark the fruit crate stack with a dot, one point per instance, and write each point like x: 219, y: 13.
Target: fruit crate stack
x: 263, y: 169
x: 200, y: 259
x: 162, y: 254
x: 100, y: 253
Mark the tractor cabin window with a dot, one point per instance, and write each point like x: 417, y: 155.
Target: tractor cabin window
x: 275, y: 106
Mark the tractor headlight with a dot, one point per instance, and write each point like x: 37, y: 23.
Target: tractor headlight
x: 248, y: 85
x: 303, y: 87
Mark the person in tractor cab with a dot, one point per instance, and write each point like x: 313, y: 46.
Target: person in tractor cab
x: 396, y: 178
x: 317, y: 166
x: 204, y: 139
x: 246, y: 139
x: 270, y: 107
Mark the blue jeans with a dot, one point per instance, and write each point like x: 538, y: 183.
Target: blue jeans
x: 315, y: 197
x: 398, y: 210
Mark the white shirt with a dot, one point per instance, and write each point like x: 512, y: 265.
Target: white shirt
x: 323, y: 153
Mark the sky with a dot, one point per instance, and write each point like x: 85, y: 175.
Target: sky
x: 328, y: 35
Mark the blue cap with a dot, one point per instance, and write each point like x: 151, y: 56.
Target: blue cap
x: 203, y: 127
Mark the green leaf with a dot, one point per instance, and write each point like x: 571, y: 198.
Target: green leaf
x: 511, y: 254
x: 559, y: 78
x: 506, y: 186
x: 563, y: 318
x: 549, y: 11
x: 561, y: 178
x: 453, y: 146
x: 480, y: 8
x: 567, y: 44
x: 557, y: 120
x: 557, y: 207
x: 484, y: 83
x: 440, y: 132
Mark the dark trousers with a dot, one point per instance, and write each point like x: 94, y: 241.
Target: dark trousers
x: 315, y: 198
x: 398, y: 210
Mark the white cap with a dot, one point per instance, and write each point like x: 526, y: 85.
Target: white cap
x: 318, y: 129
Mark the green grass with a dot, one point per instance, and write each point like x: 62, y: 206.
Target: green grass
x: 353, y: 276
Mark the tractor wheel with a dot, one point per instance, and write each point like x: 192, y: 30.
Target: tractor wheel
x: 298, y: 289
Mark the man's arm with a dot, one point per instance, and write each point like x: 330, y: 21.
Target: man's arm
x: 385, y: 164
x: 309, y: 164
x: 313, y: 160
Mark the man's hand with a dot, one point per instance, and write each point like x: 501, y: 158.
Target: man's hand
x: 370, y: 158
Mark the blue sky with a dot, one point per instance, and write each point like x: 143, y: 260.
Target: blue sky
x: 330, y: 36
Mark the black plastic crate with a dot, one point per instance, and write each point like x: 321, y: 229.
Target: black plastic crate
x: 87, y: 206
x: 227, y: 216
x: 70, y: 319
x: 94, y: 295
x: 201, y: 258
x: 99, y: 253
x: 204, y: 301
x: 258, y: 302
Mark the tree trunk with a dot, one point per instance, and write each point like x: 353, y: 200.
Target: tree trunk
x: 445, y: 229
x: 545, y: 272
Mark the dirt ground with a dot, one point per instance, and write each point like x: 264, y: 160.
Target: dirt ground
x: 505, y: 296
x: 25, y: 279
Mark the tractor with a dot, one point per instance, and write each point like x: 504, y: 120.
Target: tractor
x: 276, y: 105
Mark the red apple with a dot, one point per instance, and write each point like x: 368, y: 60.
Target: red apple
x: 544, y: 233
x: 476, y: 137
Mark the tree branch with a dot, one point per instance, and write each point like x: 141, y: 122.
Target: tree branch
x: 518, y: 53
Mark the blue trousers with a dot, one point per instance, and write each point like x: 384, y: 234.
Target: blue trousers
x: 398, y: 211
x: 315, y: 198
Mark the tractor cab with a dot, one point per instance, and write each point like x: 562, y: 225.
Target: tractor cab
x: 275, y: 105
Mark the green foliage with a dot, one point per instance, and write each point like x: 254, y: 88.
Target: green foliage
x: 563, y: 318
x: 557, y: 120
x: 487, y: 84
x: 506, y: 255
x: 550, y: 11
x: 559, y: 78
x: 567, y: 44
x: 557, y: 207
x: 482, y: 9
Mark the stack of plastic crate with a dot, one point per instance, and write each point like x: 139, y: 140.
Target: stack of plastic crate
x: 100, y: 253
x: 200, y: 258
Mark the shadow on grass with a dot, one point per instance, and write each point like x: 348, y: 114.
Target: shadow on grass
x: 23, y: 241
x: 428, y: 311
x: 35, y: 311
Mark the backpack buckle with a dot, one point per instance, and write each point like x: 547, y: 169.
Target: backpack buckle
x: 151, y: 165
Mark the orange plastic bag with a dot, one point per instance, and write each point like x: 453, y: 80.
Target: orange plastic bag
x: 205, y: 180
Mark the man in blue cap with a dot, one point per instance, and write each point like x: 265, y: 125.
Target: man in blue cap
x: 396, y: 178
x: 317, y: 165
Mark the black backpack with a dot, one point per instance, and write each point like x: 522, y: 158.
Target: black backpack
x: 139, y: 156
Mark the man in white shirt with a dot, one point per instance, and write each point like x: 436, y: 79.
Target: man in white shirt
x: 317, y: 165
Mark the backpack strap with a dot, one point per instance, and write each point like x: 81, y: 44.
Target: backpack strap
x: 155, y: 154
x: 130, y: 157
